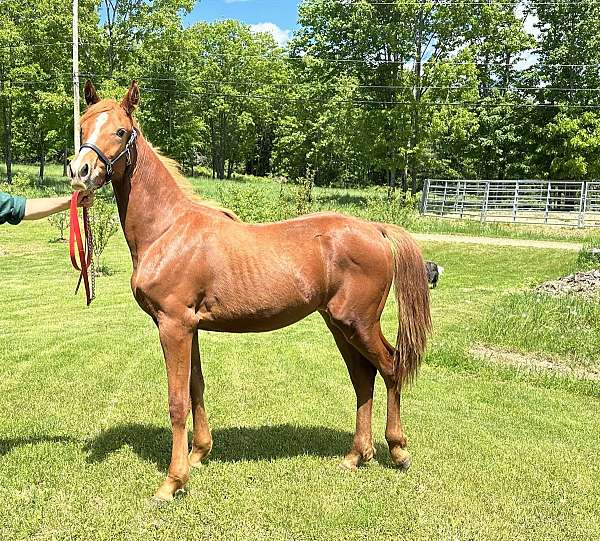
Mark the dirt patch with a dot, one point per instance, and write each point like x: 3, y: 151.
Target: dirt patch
x: 533, y: 362
x: 580, y: 283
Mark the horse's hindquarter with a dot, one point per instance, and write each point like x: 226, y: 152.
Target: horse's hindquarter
x: 250, y: 278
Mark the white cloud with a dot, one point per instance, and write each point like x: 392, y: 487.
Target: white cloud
x: 529, y: 20
x: 280, y: 36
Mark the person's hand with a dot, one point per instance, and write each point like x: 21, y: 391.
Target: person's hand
x: 85, y: 199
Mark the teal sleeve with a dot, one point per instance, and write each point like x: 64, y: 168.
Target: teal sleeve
x: 12, y: 208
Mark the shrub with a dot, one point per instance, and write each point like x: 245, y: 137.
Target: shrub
x: 60, y: 221
x: 104, y: 223
x: 400, y: 208
x: 252, y: 203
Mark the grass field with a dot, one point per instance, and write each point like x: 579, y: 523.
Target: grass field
x: 498, y: 453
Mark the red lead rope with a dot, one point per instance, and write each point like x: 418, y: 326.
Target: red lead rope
x: 85, y: 252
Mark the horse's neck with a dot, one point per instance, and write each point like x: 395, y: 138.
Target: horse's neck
x: 149, y: 201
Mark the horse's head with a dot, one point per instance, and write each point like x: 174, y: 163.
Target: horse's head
x: 107, y: 135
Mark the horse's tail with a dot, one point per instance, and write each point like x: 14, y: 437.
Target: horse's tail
x: 412, y: 296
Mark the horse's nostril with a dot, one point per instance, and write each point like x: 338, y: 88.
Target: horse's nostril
x: 85, y: 169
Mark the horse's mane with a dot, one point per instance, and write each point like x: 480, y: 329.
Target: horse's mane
x: 186, y: 186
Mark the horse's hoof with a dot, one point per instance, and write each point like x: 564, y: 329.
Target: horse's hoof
x: 169, y: 489
x: 161, y: 499
x: 348, y: 466
x: 195, y: 460
x: 401, y: 458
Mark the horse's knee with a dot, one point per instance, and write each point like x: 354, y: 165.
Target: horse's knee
x: 179, y: 409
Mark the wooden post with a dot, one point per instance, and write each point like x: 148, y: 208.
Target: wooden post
x: 76, y: 110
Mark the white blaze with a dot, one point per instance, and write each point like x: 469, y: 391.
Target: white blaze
x: 102, y: 118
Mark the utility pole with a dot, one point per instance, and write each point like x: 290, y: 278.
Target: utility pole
x: 76, y: 111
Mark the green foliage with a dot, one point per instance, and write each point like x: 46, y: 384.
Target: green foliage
x: 363, y: 94
x: 60, y: 221
x: 104, y: 223
x: 252, y: 204
x: 573, y: 143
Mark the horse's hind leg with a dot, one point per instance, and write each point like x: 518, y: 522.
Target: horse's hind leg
x: 202, y: 440
x: 362, y: 374
x: 394, y: 432
x: 363, y: 332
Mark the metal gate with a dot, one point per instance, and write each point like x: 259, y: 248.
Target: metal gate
x: 551, y: 202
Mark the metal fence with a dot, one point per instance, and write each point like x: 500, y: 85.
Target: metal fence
x: 551, y: 202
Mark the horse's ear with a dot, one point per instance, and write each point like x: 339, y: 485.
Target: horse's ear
x: 131, y: 99
x: 91, y: 96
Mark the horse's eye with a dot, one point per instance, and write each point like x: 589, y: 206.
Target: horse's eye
x: 121, y: 132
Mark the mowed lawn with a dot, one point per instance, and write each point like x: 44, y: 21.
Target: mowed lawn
x: 85, y: 435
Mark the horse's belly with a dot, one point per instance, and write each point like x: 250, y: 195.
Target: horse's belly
x: 256, y: 319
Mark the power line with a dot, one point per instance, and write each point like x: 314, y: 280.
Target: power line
x: 305, y: 58
x: 468, y: 2
x: 481, y: 103
x: 450, y: 88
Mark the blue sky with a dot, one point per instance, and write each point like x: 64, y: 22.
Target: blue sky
x: 276, y: 16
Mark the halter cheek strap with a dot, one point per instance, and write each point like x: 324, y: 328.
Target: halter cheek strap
x: 109, y: 164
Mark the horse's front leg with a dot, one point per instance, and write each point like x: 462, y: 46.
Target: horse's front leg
x: 176, y: 341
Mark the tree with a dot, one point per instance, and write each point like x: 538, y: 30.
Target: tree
x: 409, y: 58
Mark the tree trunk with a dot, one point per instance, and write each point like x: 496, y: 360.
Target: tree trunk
x: 65, y: 160
x: 42, y: 162
x: 418, y: 92
x: 7, y: 118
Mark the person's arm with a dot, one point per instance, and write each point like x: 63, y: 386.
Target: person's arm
x: 14, y: 208
x: 35, y: 209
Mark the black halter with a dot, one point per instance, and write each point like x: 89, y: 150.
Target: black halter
x: 109, y: 163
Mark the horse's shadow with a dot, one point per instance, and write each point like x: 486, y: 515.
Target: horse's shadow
x: 8, y: 444
x: 153, y: 443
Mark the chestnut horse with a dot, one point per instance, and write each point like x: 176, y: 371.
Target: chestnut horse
x: 197, y: 267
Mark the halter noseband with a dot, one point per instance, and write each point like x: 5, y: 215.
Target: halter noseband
x: 110, y: 163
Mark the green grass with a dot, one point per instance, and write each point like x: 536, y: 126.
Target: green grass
x: 85, y: 439
x: 567, y: 326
